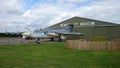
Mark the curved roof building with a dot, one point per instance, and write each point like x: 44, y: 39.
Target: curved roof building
x: 91, y: 28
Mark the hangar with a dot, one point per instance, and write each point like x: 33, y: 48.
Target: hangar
x: 91, y: 28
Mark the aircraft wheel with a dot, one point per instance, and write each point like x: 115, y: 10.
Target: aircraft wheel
x: 52, y: 39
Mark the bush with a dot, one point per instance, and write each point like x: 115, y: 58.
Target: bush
x: 99, y: 38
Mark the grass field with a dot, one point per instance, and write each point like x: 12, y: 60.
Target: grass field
x: 55, y: 55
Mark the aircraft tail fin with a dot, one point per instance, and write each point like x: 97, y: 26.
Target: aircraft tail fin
x: 70, y: 27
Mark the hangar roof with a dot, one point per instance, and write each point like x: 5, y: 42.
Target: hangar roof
x: 80, y: 21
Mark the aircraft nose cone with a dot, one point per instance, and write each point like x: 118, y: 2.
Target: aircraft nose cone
x: 26, y: 34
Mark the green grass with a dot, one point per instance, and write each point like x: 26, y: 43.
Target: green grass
x: 55, y: 55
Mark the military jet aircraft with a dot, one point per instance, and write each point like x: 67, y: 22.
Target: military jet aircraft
x: 51, y: 33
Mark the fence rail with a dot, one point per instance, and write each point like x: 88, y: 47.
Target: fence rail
x: 7, y: 41
x: 93, y: 45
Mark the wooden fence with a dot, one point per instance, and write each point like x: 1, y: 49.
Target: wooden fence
x: 93, y: 45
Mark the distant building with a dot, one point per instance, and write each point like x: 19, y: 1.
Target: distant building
x: 92, y: 28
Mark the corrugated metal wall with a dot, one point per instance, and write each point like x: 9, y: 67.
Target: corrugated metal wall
x: 90, y: 32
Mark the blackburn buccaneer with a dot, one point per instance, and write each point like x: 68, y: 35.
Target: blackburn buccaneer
x: 51, y: 33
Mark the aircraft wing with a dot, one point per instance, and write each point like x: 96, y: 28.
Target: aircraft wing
x: 69, y: 33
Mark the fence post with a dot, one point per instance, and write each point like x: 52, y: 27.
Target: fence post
x: 106, y: 45
x: 8, y: 42
x: 28, y: 42
x: 67, y: 44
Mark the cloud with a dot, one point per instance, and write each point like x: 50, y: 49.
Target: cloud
x: 54, y: 13
x: 71, y: 1
x: 14, y: 15
x: 76, y: 1
x: 10, y: 15
x: 10, y: 7
x: 46, y: 15
x: 102, y: 10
